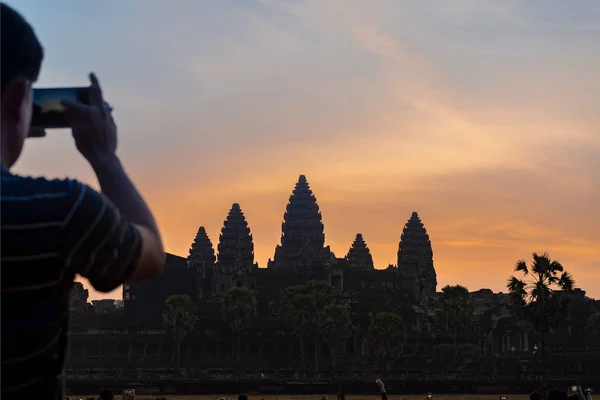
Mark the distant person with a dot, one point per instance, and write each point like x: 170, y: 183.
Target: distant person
x: 54, y: 229
x: 341, y: 393
x: 128, y: 394
x: 242, y: 397
x: 106, y: 395
x: 382, y: 391
x: 535, y: 395
x: 557, y: 394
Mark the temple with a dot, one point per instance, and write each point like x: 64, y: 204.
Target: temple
x: 235, y: 262
x: 302, y: 232
x: 359, y: 256
x: 202, y: 259
x: 131, y: 335
x: 415, y: 258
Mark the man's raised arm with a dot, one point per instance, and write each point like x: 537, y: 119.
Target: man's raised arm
x: 119, y: 240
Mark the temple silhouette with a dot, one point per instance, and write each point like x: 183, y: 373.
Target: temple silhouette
x: 131, y: 335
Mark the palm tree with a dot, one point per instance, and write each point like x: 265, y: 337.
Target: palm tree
x: 541, y: 299
x: 304, y: 306
x: 179, y: 318
x: 298, y: 311
x: 238, y: 309
x: 456, y: 311
x: 386, y: 336
x: 323, y: 295
x: 336, y: 328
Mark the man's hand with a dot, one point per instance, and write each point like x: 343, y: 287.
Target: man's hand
x: 381, y: 385
x: 94, y: 130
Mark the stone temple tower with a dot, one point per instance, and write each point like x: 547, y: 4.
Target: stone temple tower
x: 235, y: 264
x: 359, y: 256
x: 415, y: 259
x: 302, y: 234
x: 202, y: 258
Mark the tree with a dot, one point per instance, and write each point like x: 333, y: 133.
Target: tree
x: 386, y: 337
x: 592, y: 330
x: 298, y: 311
x: 323, y: 295
x: 238, y: 309
x: 304, y: 306
x: 179, y: 318
x: 541, y: 298
x: 445, y: 354
x: 336, y: 328
x: 456, y: 311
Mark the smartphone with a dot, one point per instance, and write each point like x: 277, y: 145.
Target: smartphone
x: 574, y: 389
x: 429, y: 396
x: 48, y: 111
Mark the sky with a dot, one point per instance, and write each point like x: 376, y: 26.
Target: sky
x: 481, y: 115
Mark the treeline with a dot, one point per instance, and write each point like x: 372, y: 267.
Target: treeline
x: 316, y: 313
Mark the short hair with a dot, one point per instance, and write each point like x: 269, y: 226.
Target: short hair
x: 557, y: 394
x: 21, y: 51
x: 106, y: 395
x: 535, y: 395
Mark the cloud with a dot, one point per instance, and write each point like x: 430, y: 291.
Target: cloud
x: 481, y: 115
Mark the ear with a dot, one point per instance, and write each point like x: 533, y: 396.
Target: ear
x: 15, y: 100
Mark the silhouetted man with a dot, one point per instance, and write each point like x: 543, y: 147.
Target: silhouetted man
x: 557, y: 394
x: 535, y: 395
x: 55, y: 229
x: 106, y: 395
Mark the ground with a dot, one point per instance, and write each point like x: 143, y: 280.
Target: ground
x: 331, y: 397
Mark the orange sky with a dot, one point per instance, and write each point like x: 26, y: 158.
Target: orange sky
x: 482, y: 116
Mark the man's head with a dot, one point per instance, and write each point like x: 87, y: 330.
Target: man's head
x: 106, y: 395
x: 21, y: 55
x: 535, y: 396
x: 557, y: 394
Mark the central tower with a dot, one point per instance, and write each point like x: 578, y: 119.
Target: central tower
x: 302, y: 234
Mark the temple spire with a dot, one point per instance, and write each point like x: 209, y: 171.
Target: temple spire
x: 415, y: 258
x: 302, y: 230
x: 359, y: 255
x: 202, y: 253
x: 202, y: 258
x: 236, y: 251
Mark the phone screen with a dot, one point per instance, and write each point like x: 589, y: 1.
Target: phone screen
x: 48, y: 112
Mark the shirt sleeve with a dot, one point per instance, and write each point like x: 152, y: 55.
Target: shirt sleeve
x: 97, y: 242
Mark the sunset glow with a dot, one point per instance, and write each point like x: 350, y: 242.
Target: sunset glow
x: 480, y: 115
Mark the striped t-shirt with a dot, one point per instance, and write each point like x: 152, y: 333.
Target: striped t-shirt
x: 52, y: 230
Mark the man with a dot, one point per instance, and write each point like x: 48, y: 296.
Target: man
x: 382, y: 391
x: 535, y: 395
x: 106, y: 395
x: 54, y: 229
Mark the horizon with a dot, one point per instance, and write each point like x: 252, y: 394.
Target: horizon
x: 481, y: 116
